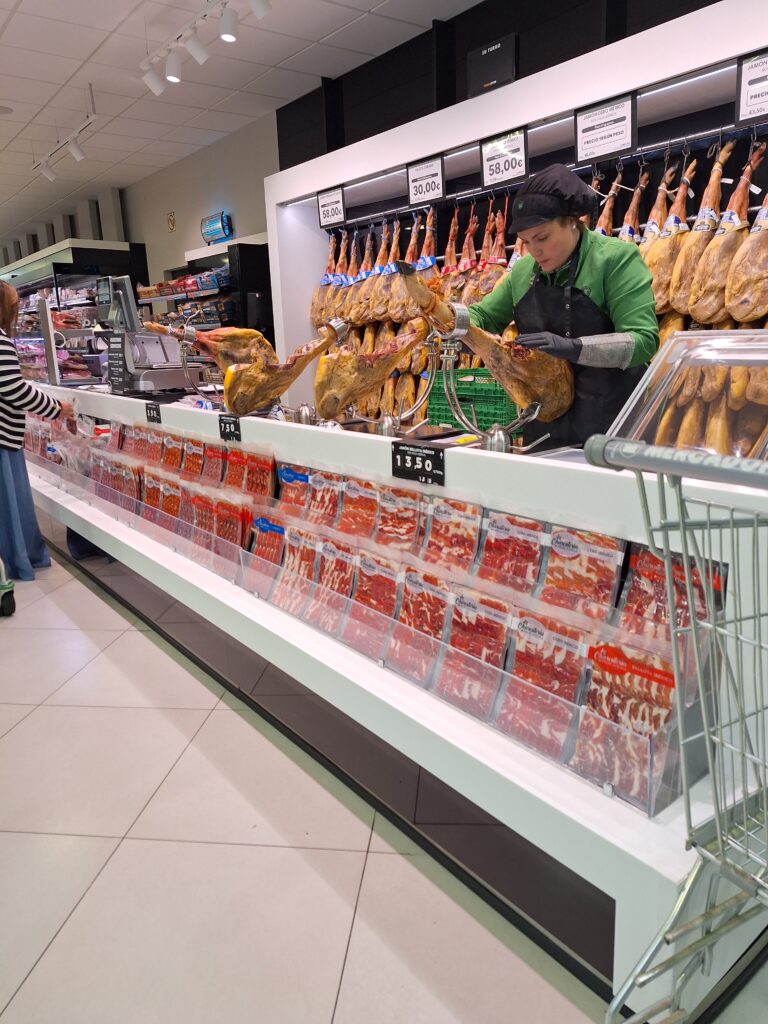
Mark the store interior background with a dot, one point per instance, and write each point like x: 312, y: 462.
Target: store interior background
x: 272, y: 100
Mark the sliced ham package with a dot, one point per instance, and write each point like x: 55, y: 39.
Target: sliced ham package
x: 214, y: 464
x: 325, y: 492
x: 644, y: 603
x: 173, y: 452
x: 235, y: 469
x: 400, y: 519
x: 376, y: 597
x: 585, y: 567
x: 294, y: 485
x: 512, y: 551
x: 359, y: 508
x: 333, y: 587
x: 453, y: 533
x: 268, y: 537
x: 293, y: 585
x: 259, y: 474
x: 415, y: 643
x: 194, y: 454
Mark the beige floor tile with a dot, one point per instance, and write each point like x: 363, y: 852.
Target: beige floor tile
x: 27, y: 592
x: 35, y: 662
x: 76, y: 605
x: 387, y: 838
x: 12, y: 714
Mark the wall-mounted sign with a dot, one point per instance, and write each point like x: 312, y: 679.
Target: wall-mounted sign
x: 216, y: 228
x: 606, y: 130
x: 330, y: 208
x: 752, y: 89
x: 491, y: 65
x: 426, y: 181
x: 504, y: 158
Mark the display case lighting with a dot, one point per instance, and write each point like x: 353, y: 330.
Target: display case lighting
x: 687, y: 81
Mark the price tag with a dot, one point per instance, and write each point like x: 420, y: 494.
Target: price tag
x: 116, y: 368
x: 418, y: 462
x: 229, y: 428
x: 330, y: 208
x: 426, y: 181
x: 504, y: 158
x: 153, y: 412
x: 752, y: 89
x: 606, y: 131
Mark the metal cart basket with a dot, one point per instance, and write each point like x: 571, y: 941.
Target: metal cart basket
x: 718, y: 550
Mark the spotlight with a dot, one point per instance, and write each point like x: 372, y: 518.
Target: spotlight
x: 173, y: 67
x: 196, y: 48
x: 261, y: 8
x: 228, y: 30
x: 154, y: 82
x: 75, y: 150
x: 46, y: 172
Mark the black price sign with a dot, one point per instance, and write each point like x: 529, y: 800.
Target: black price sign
x: 418, y: 462
x: 229, y: 428
x: 330, y: 208
x: 153, y: 412
x: 116, y: 368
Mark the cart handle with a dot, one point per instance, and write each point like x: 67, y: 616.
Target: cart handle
x: 619, y: 453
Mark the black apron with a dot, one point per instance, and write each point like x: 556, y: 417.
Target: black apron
x: 599, y: 394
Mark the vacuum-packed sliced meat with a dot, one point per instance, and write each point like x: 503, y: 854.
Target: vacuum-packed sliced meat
x: 194, y: 453
x: 294, y: 584
x: 259, y: 475
x: 400, y: 518
x: 228, y: 519
x: 204, y: 506
x: 574, y: 602
x: 359, y: 508
x: 549, y: 654
x: 454, y: 532
x: 155, y: 440
x: 214, y: 461
x: 170, y: 498
x: 325, y: 490
x: 152, y: 496
x: 586, y: 564
x: 294, y: 485
x: 186, y: 524
x: 235, y: 468
x: 536, y: 718
x: 415, y: 644
x: 114, y: 444
x: 335, y: 578
x: 377, y: 587
x: 173, y: 452
x: 632, y: 675
x: 644, y: 602
x: 139, y: 446
x: 268, y: 538
x: 512, y: 551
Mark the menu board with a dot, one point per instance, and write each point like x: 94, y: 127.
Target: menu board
x: 504, y: 158
x: 606, y: 130
x: 752, y: 89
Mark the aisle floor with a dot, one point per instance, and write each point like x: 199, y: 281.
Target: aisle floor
x: 167, y: 856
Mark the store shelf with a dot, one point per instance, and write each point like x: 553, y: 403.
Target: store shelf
x: 203, y: 294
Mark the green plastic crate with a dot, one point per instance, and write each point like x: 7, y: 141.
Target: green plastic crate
x: 492, y: 403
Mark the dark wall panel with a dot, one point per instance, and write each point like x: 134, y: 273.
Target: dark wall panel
x: 642, y: 15
x: 301, y: 129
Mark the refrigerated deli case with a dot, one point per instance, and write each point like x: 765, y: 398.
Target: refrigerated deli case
x: 429, y: 696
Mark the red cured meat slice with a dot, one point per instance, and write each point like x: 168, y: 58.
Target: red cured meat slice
x: 536, y: 718
x: 423, y: 613
x: 259, y: 475
x: 115, y: 437
x: 151, y: 498
x: 575, y: 603
x: 173, y: 452
x: 586, y: 564
x: 645, y: 602
x: 335, y: 578
x: 228, y: 519
x: 155, y: 441
x: 512, y: 551
x: 325, y: 490
x: 235, y: 469
x: 186, y: 525
x: 471, y: 670
x: 194, y: 452
x: 214, y: 461
x: 550, y: 655
x: 375, y: 600
x: 268, y: 535
x: 453, y: 534
x: 468, y: 683
x: 294, y: 485
x: 204, y: 517
x: 359, y: 508
x: 632, y: 674
x: 400, y: 518
x: 140, y: 446
x: 294, y: 583
x: 170, y: 498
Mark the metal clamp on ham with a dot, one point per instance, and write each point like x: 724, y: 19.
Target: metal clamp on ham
x: 461, y: 322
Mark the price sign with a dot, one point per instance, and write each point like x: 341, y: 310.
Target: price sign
x: 153, y: 412
x: 229, y: 428
x: 116, y: 368
x: 418, y: 462
x: 330, y: 208
x: 426, y: 181
x: 504, y: 158
x: 752, y: 89
x: 606, y: 131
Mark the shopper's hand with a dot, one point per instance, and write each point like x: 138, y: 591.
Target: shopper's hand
x: 553, y: 345
x: 67, y: 414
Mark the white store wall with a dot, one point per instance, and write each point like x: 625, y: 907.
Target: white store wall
x: 228, y: 175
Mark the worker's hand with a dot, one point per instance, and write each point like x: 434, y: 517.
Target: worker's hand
x: 553, y: 345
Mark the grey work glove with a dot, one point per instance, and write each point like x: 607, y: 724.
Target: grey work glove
x: 604, y: 351
x: 553, y: 345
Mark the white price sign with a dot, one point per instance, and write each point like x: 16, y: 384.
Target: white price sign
x: 426, y: 181
x: 330, y: 208
x: 752, y: 89
x: 504, y: 158
x: 608, y: 130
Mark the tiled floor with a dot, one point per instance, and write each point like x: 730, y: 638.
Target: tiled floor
x: 166, y: 856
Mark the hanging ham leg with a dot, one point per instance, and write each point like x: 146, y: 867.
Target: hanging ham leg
x: 630, y: 229
x: 360, y: 308
x: 453, y: 284
x: 746, y: 290
x: 663, y: 253
x: 604, y: 224
x: 658, y: 213
x: 595, y: 184
x: 471, y: 292
x: 317, y: 306
x: 379, y: 303
x: 333, y: 295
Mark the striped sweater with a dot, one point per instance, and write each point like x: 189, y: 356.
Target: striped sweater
x: 18, y: 396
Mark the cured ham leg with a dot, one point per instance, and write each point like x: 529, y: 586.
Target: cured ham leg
x: 334, y: 293
x: 658, y: 214
x: 345, y: 377
x: 663, y: 254
x: 471, y: 292
x: 401, y: 309
x: 382, y: 289
x: 226, y: 345
x: 697, y: 240
x: 604, y: 224
x: 746, y: 290
x: 453, y: 284
x: 497, y: 262
x: 450, y: 262
x: 317, y: 306
x: 708, y: 291
x: 630, y: 229
x: 526, y: 375
x: 595, y: 186
x: 359, y: 311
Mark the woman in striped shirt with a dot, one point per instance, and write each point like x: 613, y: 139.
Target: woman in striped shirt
x: 22, y: 547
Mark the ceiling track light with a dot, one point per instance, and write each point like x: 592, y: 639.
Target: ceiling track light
x: 173, y: 68
x: 154, y: 82
x: 196, y: 48
x: 46, y: 172
x: 260, y: 8
x: 228, y: 25
x: 75, y: 150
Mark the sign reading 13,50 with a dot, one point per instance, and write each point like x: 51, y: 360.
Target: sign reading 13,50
x: 504, y: 158
x: 426, y: 181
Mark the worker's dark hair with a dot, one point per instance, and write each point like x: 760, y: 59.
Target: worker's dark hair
x: 9, y: 308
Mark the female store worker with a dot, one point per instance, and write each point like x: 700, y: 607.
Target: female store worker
x: 21, y: 544
x: 577, y: 295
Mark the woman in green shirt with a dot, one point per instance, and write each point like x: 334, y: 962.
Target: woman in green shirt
x: 577, y: 295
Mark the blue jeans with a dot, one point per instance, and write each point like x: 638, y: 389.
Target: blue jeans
x: 22, y: 547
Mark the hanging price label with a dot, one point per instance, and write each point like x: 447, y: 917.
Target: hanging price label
x: 418, y: 462
x: 330, y: 208
x: 752, y: 89
x: 229, y: 428
x: 606, y: 131
x: 504, y: 158
x: 426, y: 181
x: 153, y: 412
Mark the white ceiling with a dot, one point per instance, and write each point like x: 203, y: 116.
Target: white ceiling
x: 50, y: 50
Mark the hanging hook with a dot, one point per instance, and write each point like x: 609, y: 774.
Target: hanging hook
x: 667, y: 155
x: 686, y: 150
x: 619, y: 165
x: 642, y: 163
x: 753, y: 141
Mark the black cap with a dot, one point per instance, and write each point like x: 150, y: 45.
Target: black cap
x: 553, y: 192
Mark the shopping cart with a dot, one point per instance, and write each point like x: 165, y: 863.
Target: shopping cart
x: 7, y: 597
x: 720, y: 549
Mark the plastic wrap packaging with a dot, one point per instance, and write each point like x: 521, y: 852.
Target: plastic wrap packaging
x: 376, y: 596
x: 335, y: 579
x: 294, y: 584
x: 644, y: 602
x: 582, y: 571
x: 230, y: 517
x: 204, y: 505
x: 512, y: 551
x: 139, y: 445
x: 214, y: 464
x: 423, y: 616
x: 294, y: 485
x: 155, y: 441
x: 115, y: 441
x: 325, y: 494
x: 235, y: 469
x: 268, y: 538
x: 260, y: 475
x: 194, y: 455
x: 453, y: 533
x: 359, y: 509
x: 170, y: 498
x: 400, y: 519
x: 173, y: 452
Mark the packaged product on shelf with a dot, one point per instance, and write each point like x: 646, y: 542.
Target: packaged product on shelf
x: 294, y: 485
x: 359, y: 508
x: 131, y: 485
x: 479, y: 627
x: 416, y: 638
x: 644, y: 601
x: 204, y: 505
x: 230, y: 517
x: 140, y: 444
x: 294, y: 584
x: 375, y: 600
x: 186, y: 524
x: 214, y: 461
x: 260, y: 474
x: 335, y: 578
x: 155, y: 441
x: 535, y: 717
x: 115, y: 437
x: 194, y: 455
x: 512, y: 550
x: 325, y: 491
x: 152, y: 494
x: 235, y: 469
x: 268, y: 538
x: 453, y: 532
x: 173, y: 452
x: 584, y: 566
x: 549, y: 653
x: 400, y: 518
x: 170, y: 497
